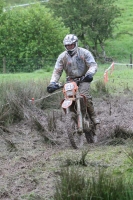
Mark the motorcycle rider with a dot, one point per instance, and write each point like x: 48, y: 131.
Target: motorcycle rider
x: 77, y: 62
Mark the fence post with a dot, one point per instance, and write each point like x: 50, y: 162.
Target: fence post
x: 131, y: 60
x: 4, y: 65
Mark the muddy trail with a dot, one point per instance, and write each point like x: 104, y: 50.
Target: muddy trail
x: 31, y: 151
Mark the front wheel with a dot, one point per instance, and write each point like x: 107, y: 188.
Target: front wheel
x: 76, y: 139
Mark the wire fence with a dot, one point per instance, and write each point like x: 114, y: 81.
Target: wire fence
x: 15, y: 65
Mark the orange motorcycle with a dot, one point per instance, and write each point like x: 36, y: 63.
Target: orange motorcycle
x: 78, y: 123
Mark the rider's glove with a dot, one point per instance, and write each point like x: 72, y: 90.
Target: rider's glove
x: 88, y: 78
x: 52, y: 87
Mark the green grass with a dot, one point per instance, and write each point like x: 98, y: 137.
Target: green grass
x: 36, y: 76
x: 120, y: 46
x: 120, y: 79
x: 107, y: 176
x: 25, y: 76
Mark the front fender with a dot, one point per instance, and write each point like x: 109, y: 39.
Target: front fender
x: 66, y: 103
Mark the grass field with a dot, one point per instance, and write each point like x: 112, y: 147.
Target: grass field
x: 121, y: 45
x: 120, y: 78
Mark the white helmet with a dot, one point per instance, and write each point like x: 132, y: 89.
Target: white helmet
x: 71, y: 39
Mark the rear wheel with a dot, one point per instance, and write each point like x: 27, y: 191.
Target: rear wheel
x: 76, y: 139
x: 90, y: 137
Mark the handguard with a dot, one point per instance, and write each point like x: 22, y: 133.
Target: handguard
x: 88, y: 78
x: 52, y: 87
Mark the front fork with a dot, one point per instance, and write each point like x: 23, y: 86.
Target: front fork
x: 79, y: 114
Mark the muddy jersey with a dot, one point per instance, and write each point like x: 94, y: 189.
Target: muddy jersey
x: 80, y: 64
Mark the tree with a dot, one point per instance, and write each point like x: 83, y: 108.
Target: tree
x: 30, y: 32
x: 15, y: 2
x: 2, y: 4
x: 91, y: 20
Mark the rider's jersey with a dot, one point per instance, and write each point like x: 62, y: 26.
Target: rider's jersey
x: 80, y: 64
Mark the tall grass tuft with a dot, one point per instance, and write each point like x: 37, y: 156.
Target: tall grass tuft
x: 73, y: 185
x: 129, y: 154
x: 100, y: 89
x: 120, y: 132
x: 15, y: 98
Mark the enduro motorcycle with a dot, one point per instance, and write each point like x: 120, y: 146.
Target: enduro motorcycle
x: 78, y: 123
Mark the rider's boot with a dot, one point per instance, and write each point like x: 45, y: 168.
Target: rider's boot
x: 92, y: 114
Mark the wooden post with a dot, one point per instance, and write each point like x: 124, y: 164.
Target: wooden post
x: 131, y: 61
x: 4, y: 65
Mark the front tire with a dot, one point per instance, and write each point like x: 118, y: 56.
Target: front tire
x: 76, y: 139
